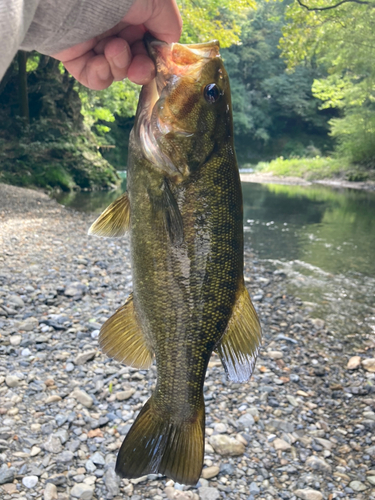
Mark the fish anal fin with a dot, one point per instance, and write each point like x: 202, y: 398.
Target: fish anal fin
x: 240, y: 344
x: 121, y: 338
x: 114, y: 221
x: 159, y: 443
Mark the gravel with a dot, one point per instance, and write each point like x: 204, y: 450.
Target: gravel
x: 303, y: 427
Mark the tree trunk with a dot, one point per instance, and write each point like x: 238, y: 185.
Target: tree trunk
x: 22, y: 85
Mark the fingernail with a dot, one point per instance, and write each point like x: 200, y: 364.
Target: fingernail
x: 122, y: 59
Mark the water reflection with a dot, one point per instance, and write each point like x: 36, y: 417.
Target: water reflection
x: 324, y: 240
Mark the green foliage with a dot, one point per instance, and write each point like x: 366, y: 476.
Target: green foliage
x: 307, y: 168
x: 273, y: 110
x: 214, y: 19
x: 342, y: 40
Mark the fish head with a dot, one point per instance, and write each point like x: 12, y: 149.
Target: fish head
x: 184, y: 114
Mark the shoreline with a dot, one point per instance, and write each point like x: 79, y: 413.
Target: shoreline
x: 267, y: 178
x: 305, y: 421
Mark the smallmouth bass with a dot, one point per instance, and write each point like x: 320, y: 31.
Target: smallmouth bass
x: 183, y: 208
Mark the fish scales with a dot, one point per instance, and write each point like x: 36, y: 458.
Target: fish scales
x: 184, y: 212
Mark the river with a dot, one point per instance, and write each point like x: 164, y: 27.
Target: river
x: 323, y: 239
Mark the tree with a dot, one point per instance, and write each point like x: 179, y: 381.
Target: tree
x: 274, y: 111
x: 340, y: 37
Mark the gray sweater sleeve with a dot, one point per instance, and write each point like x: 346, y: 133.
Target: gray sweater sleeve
x: 50, y: 26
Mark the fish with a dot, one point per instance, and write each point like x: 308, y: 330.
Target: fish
x: 183, y: 208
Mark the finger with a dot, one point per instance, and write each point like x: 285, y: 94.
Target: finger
x: 91, y: 70
x: 132, y: 33
x: 166, y: 22
x: 161, y: 17
x: 141, y: 69
x: 118, y: 55
x: 139, y: 48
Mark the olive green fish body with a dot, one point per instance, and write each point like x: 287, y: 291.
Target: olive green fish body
x: 184, y: 211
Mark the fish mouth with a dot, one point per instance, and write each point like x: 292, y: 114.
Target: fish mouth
x: 172, y: 62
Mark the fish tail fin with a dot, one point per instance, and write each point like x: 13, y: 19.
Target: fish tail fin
x: 157, y: 442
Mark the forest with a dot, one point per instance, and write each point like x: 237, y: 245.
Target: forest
x: 303, y: 93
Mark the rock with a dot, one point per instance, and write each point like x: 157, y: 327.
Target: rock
x: 371, y: 480
x: 90, y: 466
x: 54, y: 398
x: 208, y: 493
x: 30, y: 481
x: 254, y: 488
x: 6, y: 474
x: 275, y: 354
x: 317, y: 463
x: 83, y: 398
x: 328, y: 445
x: 82, y: 491
x: 16, y: 301
x: 369, y: 364
x: 225, y: 445
x: 354, y: 363
x: 9, y: 488
x: 280, y: 444
x: 65, y: 457
x: 357, y: 486
x: 28, y: 325
x: 12, y: 380
x: 308, y: 494
x: 318, y: 323
x: 220, y: 428
x: 35, y: 450
x: 15, y: 340
x: 84, y: 357
x: 53, y: 445
x: 97, y: 458
x: 124, y: 395
x: 210, y: 472
x: 246, y: 421
x: 281, y: 425
x: 50, y: 492
x: 112, y: 482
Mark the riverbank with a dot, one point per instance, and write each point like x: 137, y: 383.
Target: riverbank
x: 304, y: 422
x: 269, y: 178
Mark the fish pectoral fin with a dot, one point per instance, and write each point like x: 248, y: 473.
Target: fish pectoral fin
x: 114, y: 221
x: 240, y: 344
x: 157, y: 442
x: 172, y: 215
x: 121, y: 338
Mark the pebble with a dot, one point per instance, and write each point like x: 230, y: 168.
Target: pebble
x: 124, y: 395
x: 303, y: 397
x: 357, y: 486
x: 12, y: 380
x: 83, y: 398
x: 308, y: 494
x: 30, y: 481
x: 82, y: 491
x: 6, y: 474
x: 354, y: 363
x: 317, y: 463
x: 50, y: 492
x: 210, y: 472
x: 225, y: 445
x: 280, y: 444
x: 369, y: 364
x: 208, y: 493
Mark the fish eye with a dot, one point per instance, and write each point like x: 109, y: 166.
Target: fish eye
x: 211, y: 93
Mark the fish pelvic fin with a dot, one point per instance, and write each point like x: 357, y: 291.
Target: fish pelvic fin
x: 114, y: 221
x: 172, y: 215
x: 121, y: 338
x: 157, y: 443
x: 240, y: 344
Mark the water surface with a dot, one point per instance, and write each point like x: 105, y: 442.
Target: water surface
x: 323, y: 239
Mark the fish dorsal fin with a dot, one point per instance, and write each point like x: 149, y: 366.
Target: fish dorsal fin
x: 239, y: 347
x: 172, y: 215
x: 121, y: 338
x: 114, y: 221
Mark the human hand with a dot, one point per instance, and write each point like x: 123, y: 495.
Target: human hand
x: 119, y: 52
